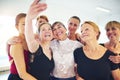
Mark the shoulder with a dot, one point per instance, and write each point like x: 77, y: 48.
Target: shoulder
x: 110, y: 52
x: 53, y: 43
x: 77, y: 44
x: 78, y: 50
x: 16, y: 47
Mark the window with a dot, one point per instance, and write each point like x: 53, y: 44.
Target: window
x: 7, y: 29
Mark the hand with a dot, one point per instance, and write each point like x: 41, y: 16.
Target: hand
x: 115, y: 59
x: 78, y: 36
x: 35, y: 9
x: 14, y: 40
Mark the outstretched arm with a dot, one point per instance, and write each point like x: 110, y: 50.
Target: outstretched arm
x: 33, y: 11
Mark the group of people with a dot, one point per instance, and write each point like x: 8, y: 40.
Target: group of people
x: 53, y: 54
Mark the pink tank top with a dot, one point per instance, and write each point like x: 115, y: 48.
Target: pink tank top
x: 13, y: 69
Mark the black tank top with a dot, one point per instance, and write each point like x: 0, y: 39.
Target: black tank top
x: 40, y: 65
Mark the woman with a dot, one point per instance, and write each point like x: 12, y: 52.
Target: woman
x: 41, y: 19
x: 18, y: 53
x: 63, y: 48
x: 73, y: 25
x: 92, y: 59
x: 41, y: 59
x: 113, y: 33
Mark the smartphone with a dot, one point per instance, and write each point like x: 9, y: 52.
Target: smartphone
x: 42, y: 1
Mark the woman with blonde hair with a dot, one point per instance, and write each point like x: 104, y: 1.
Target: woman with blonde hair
x: 93, y: 59
x: 113, y: 33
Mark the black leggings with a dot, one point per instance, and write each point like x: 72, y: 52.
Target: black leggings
x: 14, y: 77
x: 54, y: 78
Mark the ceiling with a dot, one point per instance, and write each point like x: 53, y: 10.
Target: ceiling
x: 63, y: 9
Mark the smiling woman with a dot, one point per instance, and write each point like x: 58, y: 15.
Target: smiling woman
x: 9, y: 8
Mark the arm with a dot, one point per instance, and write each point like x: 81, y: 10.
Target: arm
x: 33, y: 11
x: 77, y: 76
x: 116, y: 74
x: 16, y: 51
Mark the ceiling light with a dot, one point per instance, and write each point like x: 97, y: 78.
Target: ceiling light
x: 102, y: 9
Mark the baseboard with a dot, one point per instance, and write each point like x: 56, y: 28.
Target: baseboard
x: 4, y: 68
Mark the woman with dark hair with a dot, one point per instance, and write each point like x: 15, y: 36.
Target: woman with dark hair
x: 73, y: 25
x: 63, y: 49
x: 41, y: 62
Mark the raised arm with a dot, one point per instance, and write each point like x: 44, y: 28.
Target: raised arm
x: 33, y: 11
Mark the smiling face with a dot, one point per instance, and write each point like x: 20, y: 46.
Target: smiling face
x: 59, y: 31
x: 73, y: 25
x: 45, y: 32
x: 89, y: 31
x: 113, y: 31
